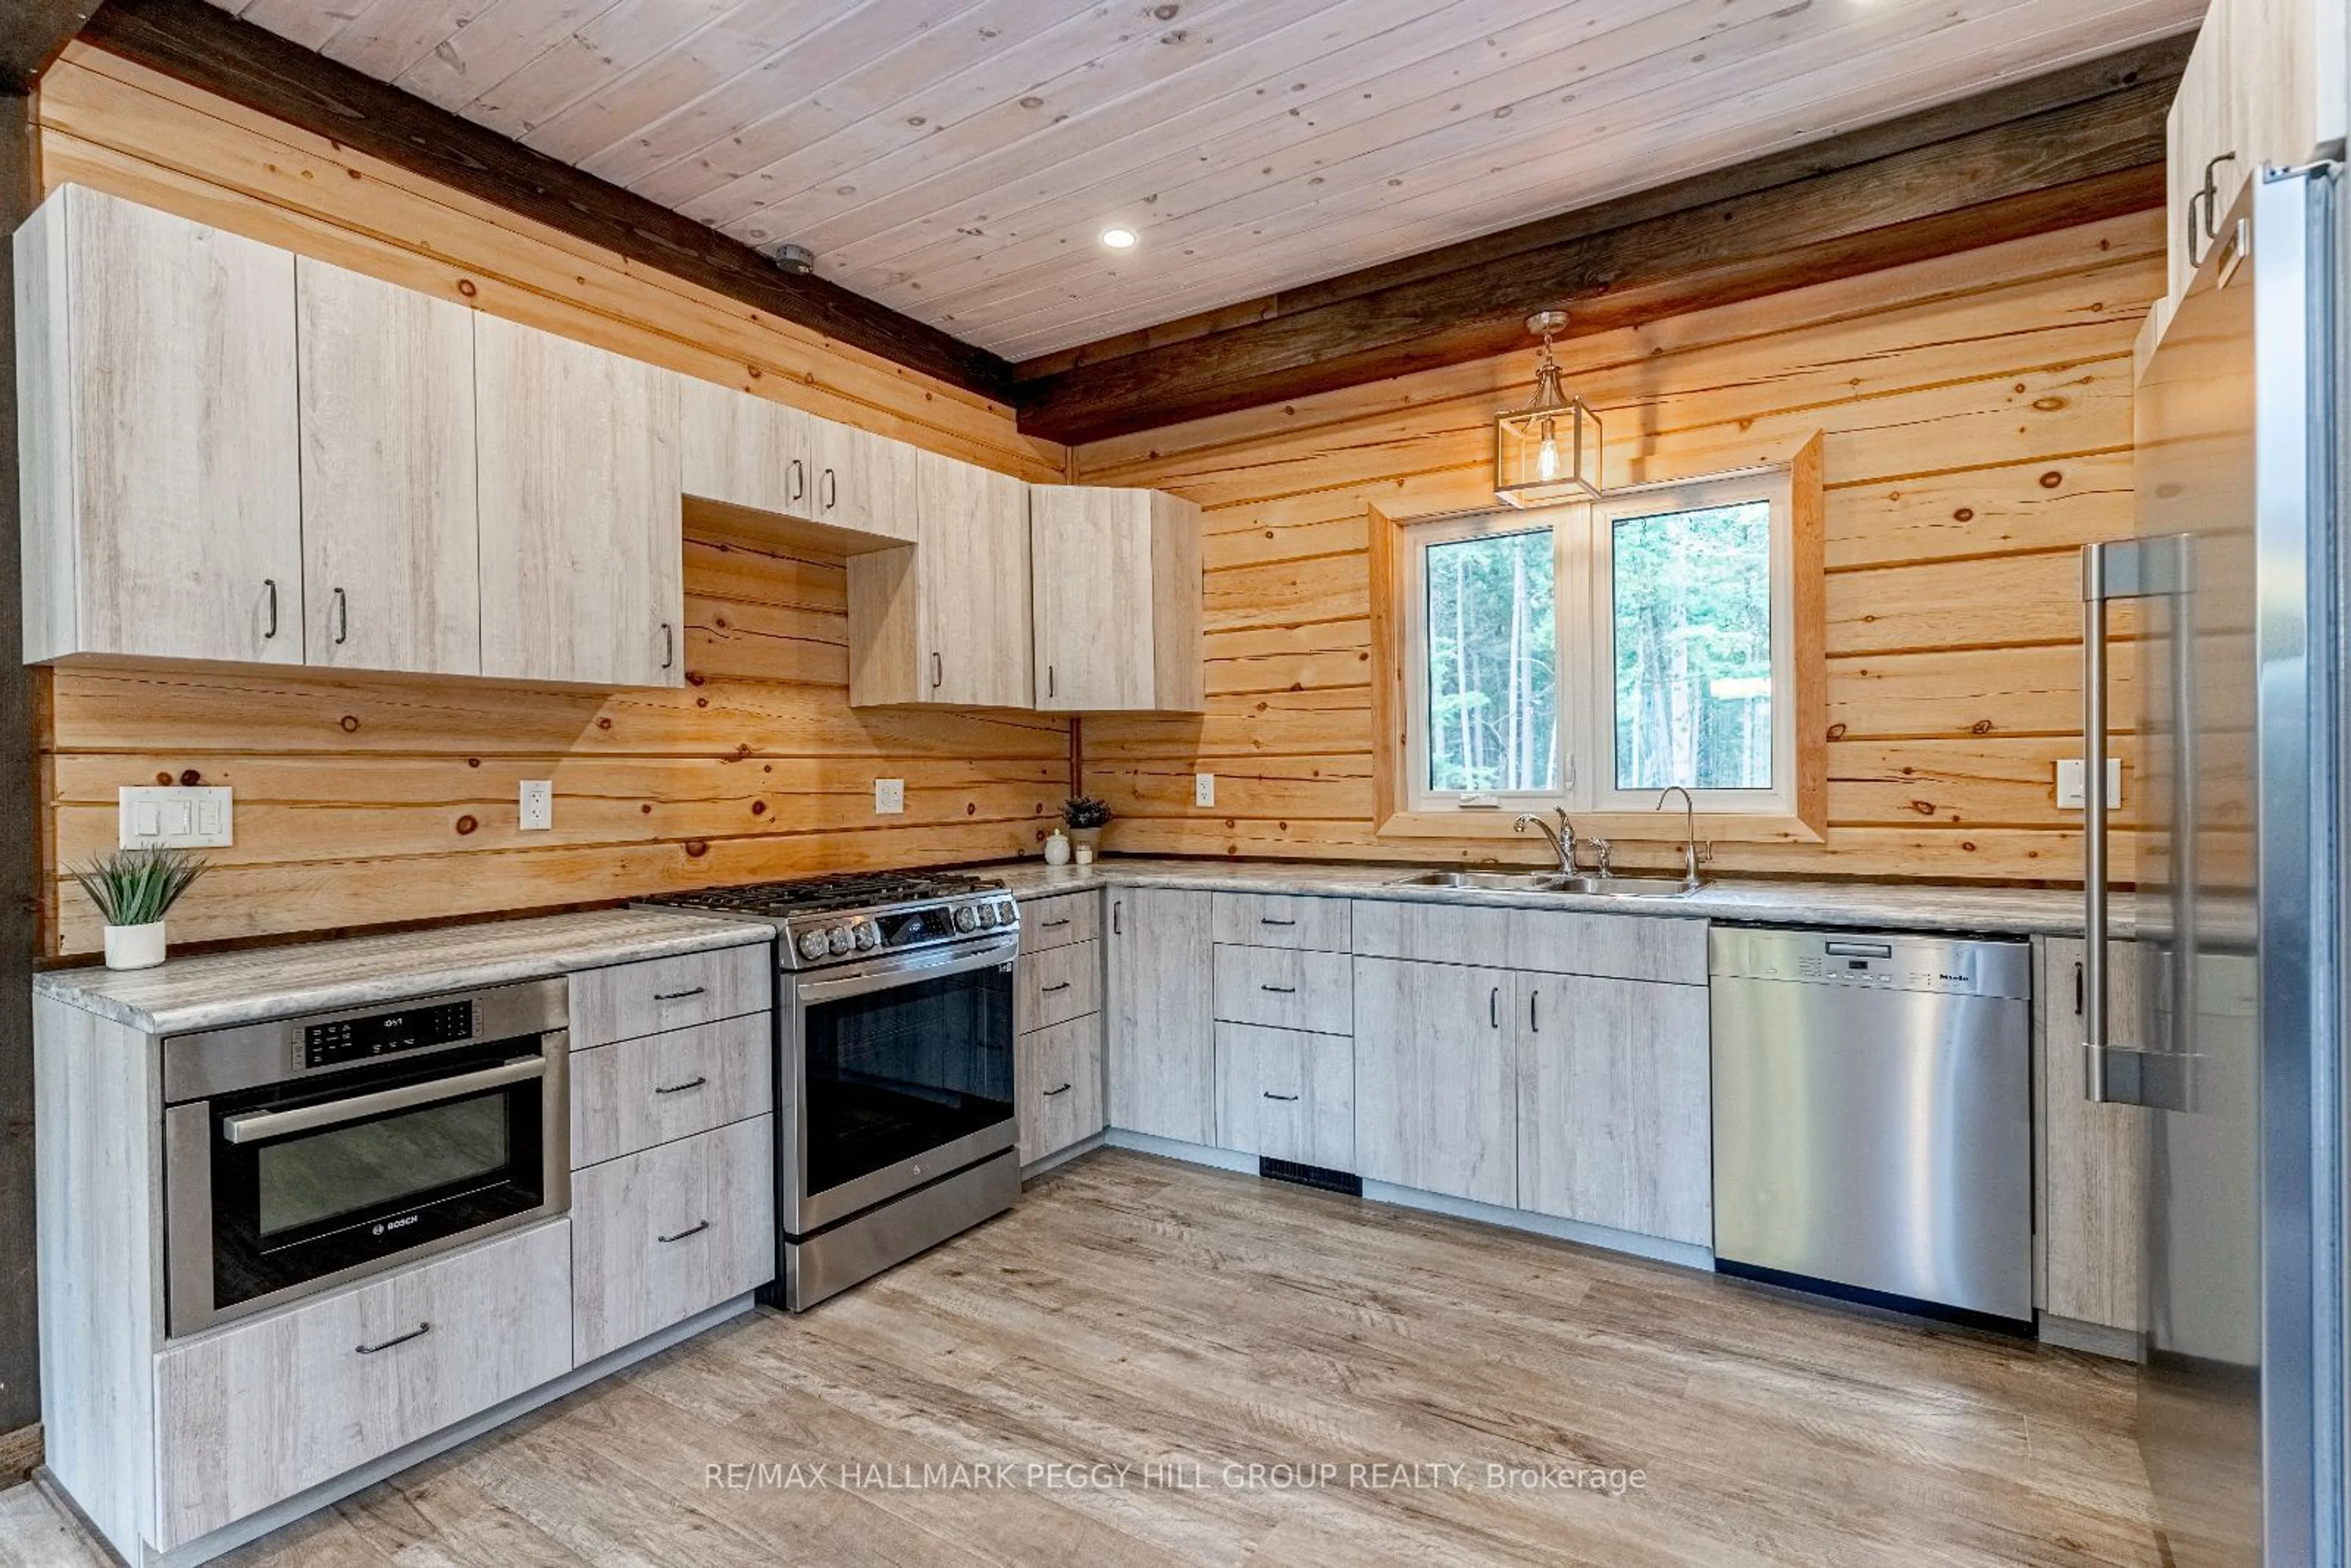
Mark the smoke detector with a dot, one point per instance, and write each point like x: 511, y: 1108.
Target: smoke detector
x: 795, y: 260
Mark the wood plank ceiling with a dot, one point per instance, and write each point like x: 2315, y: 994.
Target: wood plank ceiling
x: 958, y: 160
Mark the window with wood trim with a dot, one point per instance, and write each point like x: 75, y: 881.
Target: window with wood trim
x: 1591, y: 656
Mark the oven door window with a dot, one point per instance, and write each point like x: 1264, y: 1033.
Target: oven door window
x: 896, y: 1073
x: 321, y: 1198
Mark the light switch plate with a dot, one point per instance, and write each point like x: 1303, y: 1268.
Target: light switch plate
x: 537, y: 805
x: 889, y: 797
x: 1203, y: 789
x: 2069, y: 783
x: 203, y: 817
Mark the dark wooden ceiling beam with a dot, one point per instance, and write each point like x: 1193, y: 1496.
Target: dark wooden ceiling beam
x: 2072, y: 147
x: 207, y: 48
x: 31, y: 34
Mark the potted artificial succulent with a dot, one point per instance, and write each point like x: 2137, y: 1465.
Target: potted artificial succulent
x: 1086, y: 817
x: 134, y: 889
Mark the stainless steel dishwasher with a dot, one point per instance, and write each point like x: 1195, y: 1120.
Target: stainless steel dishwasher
x: 1873, y: 1116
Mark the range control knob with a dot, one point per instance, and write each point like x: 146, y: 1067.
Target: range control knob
x: 811, y: 944
x: 839, y: 940
x: 868, y: 936
x: 988, y: 915
x: 1007, y: 915
x: 967, y: 919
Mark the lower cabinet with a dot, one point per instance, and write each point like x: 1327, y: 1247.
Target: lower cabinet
x: 257, y: 1412
x: 1614, y: 1124
x: 1285, y: 1094
x: 1058, y: 1073
x: 2093, y: 1158
x: 664, y: 1233
x: 1436, y: 1078
x: 1160, y: 960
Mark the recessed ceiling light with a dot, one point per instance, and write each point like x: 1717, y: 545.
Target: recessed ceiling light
x: 1119, y: 239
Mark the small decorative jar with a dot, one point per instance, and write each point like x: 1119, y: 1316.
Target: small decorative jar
x: 1057, y: 849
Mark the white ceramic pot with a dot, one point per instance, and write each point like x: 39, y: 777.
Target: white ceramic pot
x: 134, y: 946
x: 1057, y: 850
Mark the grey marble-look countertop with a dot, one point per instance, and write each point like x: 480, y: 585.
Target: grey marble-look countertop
x: 1883, y: 906
x: 214, y: 989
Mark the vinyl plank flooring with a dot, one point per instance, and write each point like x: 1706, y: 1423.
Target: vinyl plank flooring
x: 1135, y: 1312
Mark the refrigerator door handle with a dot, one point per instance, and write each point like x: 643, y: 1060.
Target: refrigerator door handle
x: 2126, y: 569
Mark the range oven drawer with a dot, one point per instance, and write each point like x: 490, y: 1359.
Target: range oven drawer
x: 257, y: 1412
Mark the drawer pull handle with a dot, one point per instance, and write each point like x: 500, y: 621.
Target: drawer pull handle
x: 1064, y: 1089
x: 1270, y: 920
x: 417, y: 1333
x: 1280, y: 990
x: 689, y: 1230
x: 682, y: 1088
x: 679, y: 995
x: 1048, y: 991
x: 1271, y: 1095
x: 1494, y: 1009
x: 1052, y: 924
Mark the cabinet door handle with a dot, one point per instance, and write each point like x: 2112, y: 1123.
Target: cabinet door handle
x: 938, y: 671
x: 679, y: 995
x: 271, y: 584
x: 1048, y: 991
x: 419, y: 1332
x: 342, y: 618
x: 1064, y: 1089
x: 689, y: 1230
x: 1534, y: 1020
x: 1280, y: 990
x: 1115, y: 906
x: 2077, y: 991
x: 669, y: 646
x: 1271, y: 1095
x: 682, y: 1088
x: 831, y: 490
x: 1494, y: 1009
x: 799, y: 480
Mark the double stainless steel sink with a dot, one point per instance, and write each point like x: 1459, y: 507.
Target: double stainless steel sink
x: 1551, y: 882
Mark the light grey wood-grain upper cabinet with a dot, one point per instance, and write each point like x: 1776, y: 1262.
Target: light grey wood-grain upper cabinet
x: 863, y: 482
x: 390, y: 535
x: 1161, y: 1048
x: 582, y: 554
x: 156, y: 382
x: 1117, y: 598
x: 741, y: 450
x: 945, y: 620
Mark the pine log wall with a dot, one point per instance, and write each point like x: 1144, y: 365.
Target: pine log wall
x: 1976, y: 413
x: 361, y: 800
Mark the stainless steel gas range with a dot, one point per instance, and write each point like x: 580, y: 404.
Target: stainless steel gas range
x: 894, y: 1066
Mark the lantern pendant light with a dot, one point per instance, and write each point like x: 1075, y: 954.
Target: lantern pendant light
x: 1550, y: 450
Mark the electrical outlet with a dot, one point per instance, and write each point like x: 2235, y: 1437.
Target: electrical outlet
x: 2070, y: 796
x: 537, y: 805
x: 889, y: 797
x: 179, y: 819
x: 1203, y: 789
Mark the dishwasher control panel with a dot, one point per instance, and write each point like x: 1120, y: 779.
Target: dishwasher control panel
x: 1876, y: 961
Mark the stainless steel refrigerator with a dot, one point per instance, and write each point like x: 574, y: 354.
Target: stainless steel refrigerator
x: 2219, y: 631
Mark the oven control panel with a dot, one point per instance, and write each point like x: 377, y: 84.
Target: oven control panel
x: 360, y: 1040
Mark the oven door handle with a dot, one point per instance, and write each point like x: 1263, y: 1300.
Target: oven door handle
x: 902, y: 971
x: 256, y: 1125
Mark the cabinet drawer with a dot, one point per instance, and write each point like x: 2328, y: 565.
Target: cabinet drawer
x: 627, y: 1000
x: 1058, y: 984
x: 1282, y: 920
x: 1286, y: 1095
x: 1059, y: 921
x: 658, y: 1088
x: 1059, y: 1076
x: 1284, y: 989
x: 1549, y: 941
x: 659, y: 1235
x: 254, y: 1413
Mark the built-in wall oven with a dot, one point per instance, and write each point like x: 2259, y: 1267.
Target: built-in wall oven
x: 303, y: 1152
x: 894, y: 1067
